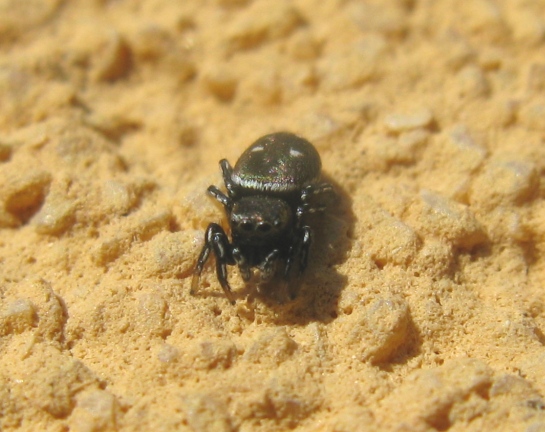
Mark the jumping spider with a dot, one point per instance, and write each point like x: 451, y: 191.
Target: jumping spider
x: 272, y: 188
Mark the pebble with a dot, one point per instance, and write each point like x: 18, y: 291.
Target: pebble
x: 23, y: 194
x: 419, y: 118
x: 260, y: 23
x: 472, y: 82
x: 56, y: 216
x: 448, y: 220
x: 126, y: 233
x: 527, y: 25
x: 95, y: 410
x: 6, y: 151
x: 389, y: 18
x: 112, y: 59
x: 219, y: 82
x: 303, y: 46
x: 378, y: 329
x: 173, y: 253
x: 271, y: 344
x: 18, y: 316
x: 461, y: 138
x: 46, y: 381
x: 205, y: 412
x: 352, y: 66
x: 33, y: 305
x: 382, y: 152
x: 435, y: 398
x: 532, y: 115
x: 536, y: 78
x: 505, y: 182
x: 153, y: 315
x: 389, y: 240
x: 168, y: 354
x: 211, y: 354
x: 264, y: 89
x: 117, y: 198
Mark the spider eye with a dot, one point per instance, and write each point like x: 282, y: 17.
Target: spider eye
x: 264, y: 227
x: 246, y: 226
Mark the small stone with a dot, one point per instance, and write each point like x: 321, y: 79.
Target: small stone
x: 512, y: 385
x: 382, y: 152
x: 112, y: 60
x: 526, y: 24
x: 377, y: 330
x: 436, y: 258
x: 435, y: 398
x: 275, y: 345
x: 389, y: 18
x: 263, y: 89
x: 351, y: 67
x: 461, y: 138
x: 303, y: 46
x: 117, y: 198
x: 417, y: 119
x: 444, y: 218
x: 56, y: 216
x: 533, y: 116
x: 173, y: 254
x: 122, y: 237
x: 168, y: 354
x: 5, y: 152
x: 219, y: 82
x: 505, y: 182
x: 389, y: 240
x: 232, y: 3
x: 96, y: 410
x: 33, y: 305
x: 536, y: 78
x: 24, y: 194
x: 472, y: 82
x: 260, y: 23
x: 19, y: 316
x: 207, y: 355
x: 153, y: 315
x: 205, y: 412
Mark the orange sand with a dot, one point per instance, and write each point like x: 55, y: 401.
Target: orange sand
x: 423, y: 308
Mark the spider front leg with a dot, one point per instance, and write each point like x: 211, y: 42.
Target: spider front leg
x: 268, y: 266
x: 221, y: 197
x: 217, y: 241
x: 299, y: 249
x: 227, y: 171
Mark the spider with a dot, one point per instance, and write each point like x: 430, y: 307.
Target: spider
x: 274, y: 185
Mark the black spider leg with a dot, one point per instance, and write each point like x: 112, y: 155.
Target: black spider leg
x: 226, y: 201
x: 227, y: 171
x: 242, y: 263
x: 268, y: 266
x: 308, y: 192
x: 215, y: 240
x: 299, y: 249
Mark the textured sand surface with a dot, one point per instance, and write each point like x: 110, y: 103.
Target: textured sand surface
x: 423, y: 308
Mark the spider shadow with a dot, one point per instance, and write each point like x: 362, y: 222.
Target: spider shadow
x: 319, y: 288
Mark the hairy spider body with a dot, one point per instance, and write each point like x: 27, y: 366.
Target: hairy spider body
x: 273, y: 186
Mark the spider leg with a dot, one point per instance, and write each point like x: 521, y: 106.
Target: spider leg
x: 306, y: 241
x: 227, y: 171
x: 309, y: 193
x: 217, y: 241
x: 242, y: 263
x: 299, y: 249
x: 268, y: 266
x: 226, y: 201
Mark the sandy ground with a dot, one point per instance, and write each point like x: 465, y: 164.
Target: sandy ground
x: 423, y: 308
